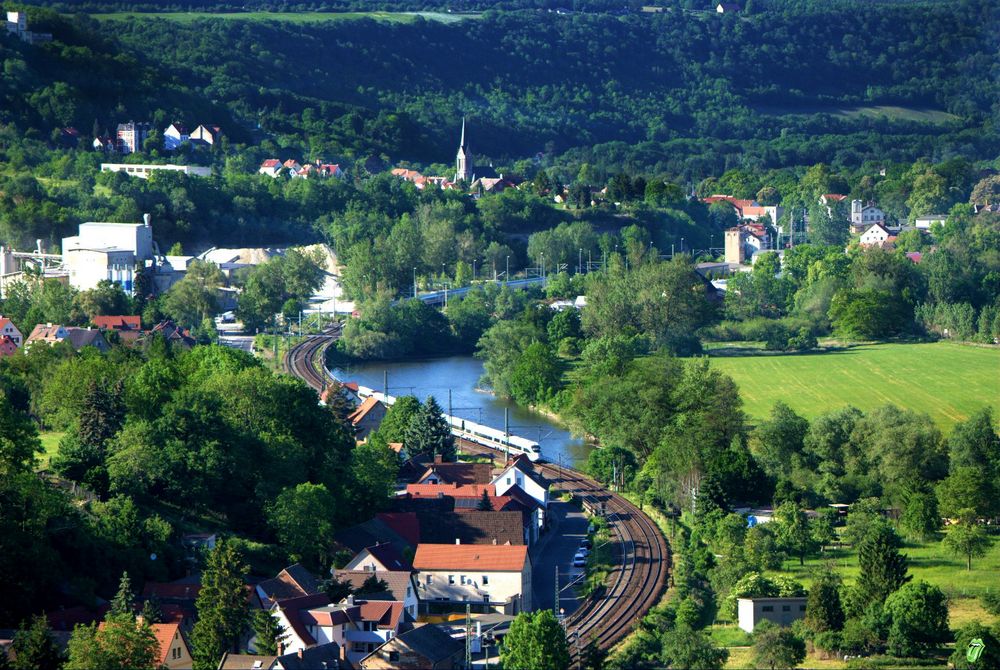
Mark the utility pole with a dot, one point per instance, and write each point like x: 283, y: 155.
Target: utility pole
x: 449, y: 402
x: 468, y: 636
x: 506, y: 432
x: 555, y: 604
x: 385, y: 385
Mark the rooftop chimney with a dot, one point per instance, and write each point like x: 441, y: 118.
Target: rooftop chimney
x: 145, y: 219
x: 300, y: 652
x: 438, y: 458
x: 458, y: 541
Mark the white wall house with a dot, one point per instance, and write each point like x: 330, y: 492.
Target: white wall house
x: 864, y: 216
x: 874, y: 236
x: 358, y: 626
x: 925, y: 222
x: 781, y: 611
x: 174, y: 136
x: 8, y: 329
x: 521, y: 475
x: 492, y: 577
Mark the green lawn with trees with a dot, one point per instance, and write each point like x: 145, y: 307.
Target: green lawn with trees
x: 948, y: 381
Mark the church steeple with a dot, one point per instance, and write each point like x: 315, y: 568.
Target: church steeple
x: 462, y: 171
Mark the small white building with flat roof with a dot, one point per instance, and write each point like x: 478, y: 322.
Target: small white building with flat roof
x: 142, y: 171
x: 780, y: 611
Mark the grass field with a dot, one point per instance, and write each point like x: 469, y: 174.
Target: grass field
x: 893, y: 112
x: 946, y: 380
x: 50, y: 443
x: 290, y: 17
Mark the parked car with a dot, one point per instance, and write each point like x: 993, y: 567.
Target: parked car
x: 585, y: 543
x: 579, y: 561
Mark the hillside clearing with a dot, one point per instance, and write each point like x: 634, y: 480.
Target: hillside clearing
x: 947, y: 381
x: 290, y: 17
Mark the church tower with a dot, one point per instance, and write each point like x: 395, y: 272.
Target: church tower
x: 463, y: 170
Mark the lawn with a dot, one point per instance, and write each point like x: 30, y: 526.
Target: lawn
x: 946, y: 380
x: 893, y: 112
x: 50, y: 445
x: 290, y: 17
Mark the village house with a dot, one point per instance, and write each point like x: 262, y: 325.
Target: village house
x: 925, y: 222
x: 424, y: 647
x: 8, y: 329
x: 292, y: 582
x: 863, y: 216
x: 17, y: 24
x: 291, y: 166
x: 487, y: 577
x: 79, y: 338
x: 743, y: 243
x: 174, y: 651
x: 175, y: 135
x: 105, y: 143
x: 270, y: 167
x: 7, y: 347
x: 401, y: 586
x: 358, y: 626
x: 206, y: 135
x: 378, y: 558
x: 875, y: 236
x: 780, y: 611
x: 131, y: 136
x: 440, y: 472
x: 367, y: 417
x: 482, y: 527
x: 118, y: 322
x: 520, y: 475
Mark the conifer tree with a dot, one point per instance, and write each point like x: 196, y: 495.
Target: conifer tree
x: 223, y: 611
x: 34, y: 646
x: 485, y: 504
x: 122, y: 602
x: 882, y: 568
x: 429, y: 433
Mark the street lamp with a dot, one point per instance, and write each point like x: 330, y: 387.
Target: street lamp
x: 506, y: 276
x: 414, y: 282
x: 473, y: 269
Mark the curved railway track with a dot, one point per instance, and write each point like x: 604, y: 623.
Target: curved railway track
x: 635, y: 584
x: 637, y: 581
x: 305, y: 360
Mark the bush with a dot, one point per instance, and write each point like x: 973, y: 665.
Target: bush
x: 991, y: 602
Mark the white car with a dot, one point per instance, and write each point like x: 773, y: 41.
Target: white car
x: 579, y: 560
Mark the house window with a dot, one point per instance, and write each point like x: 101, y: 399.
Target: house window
x: 508, y: 481
x: 451, y: 579
x: 767, y: 608
x: 430, y: 579
x: 393, y: 656
x: 802, y: 608
x: 786, y: 608
x: 409, y: 591
x: 486, y: 580
x: 359, y: 647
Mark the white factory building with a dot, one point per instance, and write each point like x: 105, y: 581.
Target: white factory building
x: 113, y: 251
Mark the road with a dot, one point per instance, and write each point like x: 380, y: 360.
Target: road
x: 561, y: 542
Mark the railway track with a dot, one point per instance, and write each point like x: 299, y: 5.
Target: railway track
x: 301, y: 360
x: 635, y: 584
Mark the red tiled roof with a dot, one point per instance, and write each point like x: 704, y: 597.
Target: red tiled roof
x: 836, y: 197
x: 270, y: 163
x: 460, y: 473
x: 293, y: 608
x: 171, y: 590
x: 385, y: 612
x: 487, y: 558
x: 368, y: 405
x: 165, y: 633
x: 405, y: 524
x: 453, y: 490
x: 119, y: 322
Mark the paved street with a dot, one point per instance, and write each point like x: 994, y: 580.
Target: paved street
x: 569, y: 526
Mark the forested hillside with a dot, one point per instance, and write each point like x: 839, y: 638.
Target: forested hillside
x: 698, y: 92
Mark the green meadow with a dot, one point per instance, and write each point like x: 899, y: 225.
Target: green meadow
x: 947, y: 381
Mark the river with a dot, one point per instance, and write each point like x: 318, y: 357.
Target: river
x: 460, y: 375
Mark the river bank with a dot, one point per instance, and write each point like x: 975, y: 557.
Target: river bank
x: 454, y: 383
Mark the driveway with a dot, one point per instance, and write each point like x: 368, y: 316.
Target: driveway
x: 556, y: 549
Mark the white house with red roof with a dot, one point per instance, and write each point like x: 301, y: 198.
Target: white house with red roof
x: 357, y: 625
x: 8, y: 329
x: 271, y: 167
x: 488, y: 577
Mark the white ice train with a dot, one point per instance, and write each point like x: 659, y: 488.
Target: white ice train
x: 473, y: 432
